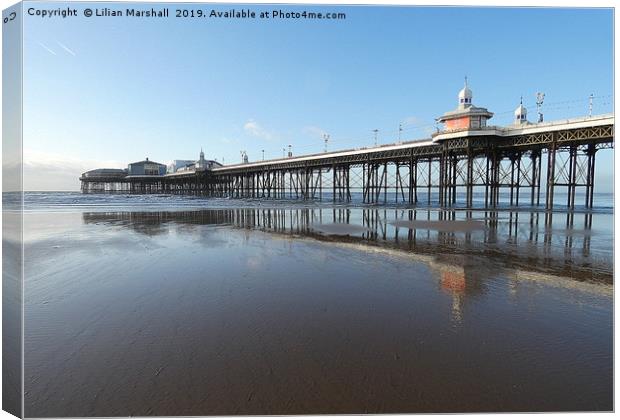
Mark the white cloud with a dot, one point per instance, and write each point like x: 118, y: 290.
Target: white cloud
x: 314, y: 131
x: 255, y: 129
x: 412, y: 120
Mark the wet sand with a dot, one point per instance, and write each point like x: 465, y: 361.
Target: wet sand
x: 133, y: 315
x: 339, y: 228
x: 442, y: 225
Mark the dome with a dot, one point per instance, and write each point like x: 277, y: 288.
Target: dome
x: 465, y: 96
x: 521, y: 110
x: 465, y: 93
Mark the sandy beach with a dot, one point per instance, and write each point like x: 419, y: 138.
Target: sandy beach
x: 204, y: 313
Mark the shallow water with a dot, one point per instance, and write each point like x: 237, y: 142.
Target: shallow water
x: 301, y: 309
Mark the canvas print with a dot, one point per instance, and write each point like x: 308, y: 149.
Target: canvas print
x: 298, y: 209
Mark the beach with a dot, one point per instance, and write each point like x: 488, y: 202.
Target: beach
x: 289, y: 309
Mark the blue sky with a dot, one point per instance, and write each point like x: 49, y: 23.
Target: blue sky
x: 106, y: 91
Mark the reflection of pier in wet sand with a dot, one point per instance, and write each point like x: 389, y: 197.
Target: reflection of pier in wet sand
x: 531, y: 241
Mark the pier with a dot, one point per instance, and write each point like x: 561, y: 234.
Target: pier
x: 526, y: 161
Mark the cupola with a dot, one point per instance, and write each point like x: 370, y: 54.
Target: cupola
x: 521, y: 113
x: 465, y: 96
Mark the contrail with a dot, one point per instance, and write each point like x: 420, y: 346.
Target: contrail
x: 64, y: 47
x: 48, y: 50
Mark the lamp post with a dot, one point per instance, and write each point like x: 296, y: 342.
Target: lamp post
x: 540, y: 97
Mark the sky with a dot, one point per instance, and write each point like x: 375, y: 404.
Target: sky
x: 106, y: 91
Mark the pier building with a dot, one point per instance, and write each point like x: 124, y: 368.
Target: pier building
x: 178, y: 165
x: 146, y: 168
x: 105, y: 172
x: 204, y: 164
x: 466, y: 115
x: 191, y: 165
